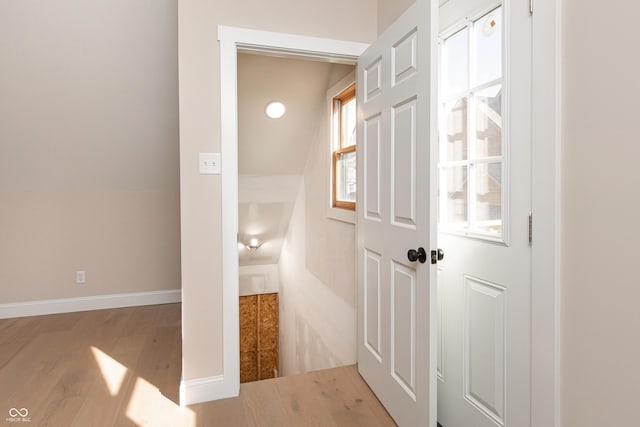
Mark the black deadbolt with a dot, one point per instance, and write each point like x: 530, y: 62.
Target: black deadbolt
x: 437, y: 256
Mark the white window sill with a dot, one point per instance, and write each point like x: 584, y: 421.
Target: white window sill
x: 344, y: 215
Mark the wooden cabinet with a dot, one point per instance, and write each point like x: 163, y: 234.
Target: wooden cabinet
x: 259, y: 331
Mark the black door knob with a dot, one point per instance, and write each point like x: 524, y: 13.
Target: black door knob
x: 440, y: 254
x: 417, y: 255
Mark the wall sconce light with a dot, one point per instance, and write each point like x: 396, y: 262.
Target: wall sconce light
x: 254, y: 244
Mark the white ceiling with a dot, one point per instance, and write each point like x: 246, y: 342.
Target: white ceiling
x: 272, y: 154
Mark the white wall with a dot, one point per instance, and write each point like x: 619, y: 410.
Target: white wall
x: 317, y: 291
x: 317, y: 263
x: 600, y: 308
x: 259, y: 279
x: 88, y: 148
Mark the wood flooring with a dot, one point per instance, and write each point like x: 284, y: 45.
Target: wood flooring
x: 122, y: 367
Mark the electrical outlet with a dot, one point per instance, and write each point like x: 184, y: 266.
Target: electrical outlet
x: 81, y: 277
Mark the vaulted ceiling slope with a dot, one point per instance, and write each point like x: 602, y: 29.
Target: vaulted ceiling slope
x: 280, y: 147
x: 272, y: 154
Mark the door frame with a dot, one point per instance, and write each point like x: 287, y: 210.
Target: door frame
x: 545, y: 206
x: 233, y: 40
x: 545, y: 296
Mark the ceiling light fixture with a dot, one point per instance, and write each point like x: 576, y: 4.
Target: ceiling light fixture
x: 254, y: 244
x: 275, y: 110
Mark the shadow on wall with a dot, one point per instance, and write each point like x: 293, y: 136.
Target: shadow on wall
x: 330, y: 244
x: 311, y: 351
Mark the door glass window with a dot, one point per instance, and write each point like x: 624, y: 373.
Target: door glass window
x: 472, y: 140
x: 456, y: 61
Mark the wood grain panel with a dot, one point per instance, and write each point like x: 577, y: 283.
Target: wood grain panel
x: 248, y: 366
x: 259, y: 337
x: 268, y: 324
x: 268, y: 364
x: 248, y: 322
x: 48, y: 366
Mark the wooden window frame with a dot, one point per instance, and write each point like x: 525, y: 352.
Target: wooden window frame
x: 338, y: 101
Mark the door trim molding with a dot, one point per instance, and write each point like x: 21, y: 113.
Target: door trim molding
x: 232, y: 40
x: 545, y: 202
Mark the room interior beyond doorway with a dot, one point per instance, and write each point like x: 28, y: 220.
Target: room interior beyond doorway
x: 303, y: 256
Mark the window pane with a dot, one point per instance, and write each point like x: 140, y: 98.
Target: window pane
x: 487, y: 32
x: 346, y: 177
x: 456, y: 73
x: 489, y: 198
x: 456, y: 147
x: 335, y: 137
x: 349, y: 123
x: 457, y: 188
x: 489, y: 122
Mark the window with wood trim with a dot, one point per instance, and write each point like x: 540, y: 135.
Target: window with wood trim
x: 343, y: 165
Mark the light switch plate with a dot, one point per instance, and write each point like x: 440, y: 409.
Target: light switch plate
x: 209, y: 163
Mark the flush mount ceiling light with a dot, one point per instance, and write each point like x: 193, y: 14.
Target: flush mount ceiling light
x: 275, y: 110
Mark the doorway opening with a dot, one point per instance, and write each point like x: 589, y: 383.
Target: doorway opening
x: 297, y: 287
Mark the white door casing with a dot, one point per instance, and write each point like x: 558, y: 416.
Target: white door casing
x: 396, y: 297
x: 232, y: 40
x: 484, y: 286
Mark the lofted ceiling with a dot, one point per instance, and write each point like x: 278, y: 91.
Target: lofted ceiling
x: 280, y: 147
x: 272, y: 154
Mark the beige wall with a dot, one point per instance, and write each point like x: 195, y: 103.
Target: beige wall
x: 88, y: 148
x: 600, y: 203
x: 317, y: 266
x: 200, y: 131
x: 389, y: 11
x: 126, y: 241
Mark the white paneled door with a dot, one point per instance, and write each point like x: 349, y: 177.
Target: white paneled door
x: 396, y: 294
x: 484, y: 282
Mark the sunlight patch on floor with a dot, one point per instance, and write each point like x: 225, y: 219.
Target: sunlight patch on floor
x: 113, y: 372
x: 148, y: 407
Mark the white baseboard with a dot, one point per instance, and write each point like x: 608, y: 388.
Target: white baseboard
x: 98, y: 302
x: 205, y: 390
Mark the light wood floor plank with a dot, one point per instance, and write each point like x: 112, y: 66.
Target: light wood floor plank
x: 304, y: 400
x: 122, y: 367
x: 226, y: 412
